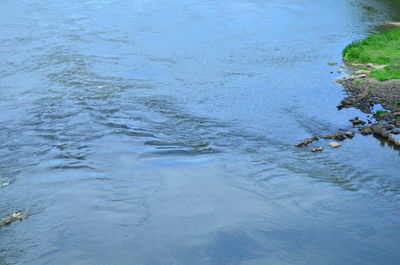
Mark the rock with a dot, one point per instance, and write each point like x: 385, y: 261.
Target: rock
x: 307, y: 141
x: 317, y: 149
x: 396, y: 114
x: 378, y: 130
x: 393, y: 141
x: 356, y: 121
x: 18, y: 215
x: 365, y: 130
x: 395, y: 131
x: 332, y: 63
x: 362, y: 76
x: 15, y: 216
x: 349, y: 134
x: 345, y: 103
x: 334, y: 144
x: 383, y: 116
x: 337, y: 136
x: 351, y: 78
x: 389, y: 127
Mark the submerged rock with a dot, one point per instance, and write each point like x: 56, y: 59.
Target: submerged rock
x: 307, y: 141
x: 334, y: 144
x: 350, y: 134
x: 15, y: 216
x: 317, y: 149
x: 4, y: 182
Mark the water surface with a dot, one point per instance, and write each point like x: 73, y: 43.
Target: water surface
x: 163, y: 132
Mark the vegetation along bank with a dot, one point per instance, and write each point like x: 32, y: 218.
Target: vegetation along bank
x: 375, y: 80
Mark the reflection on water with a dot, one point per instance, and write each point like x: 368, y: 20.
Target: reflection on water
x: 150, y: 132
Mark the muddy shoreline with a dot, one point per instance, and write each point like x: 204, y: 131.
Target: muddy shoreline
x: 364, y: 93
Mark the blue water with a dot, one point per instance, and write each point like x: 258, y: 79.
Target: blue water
x: 163, y: 132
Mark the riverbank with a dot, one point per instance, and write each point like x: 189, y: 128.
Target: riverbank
x: 376, y: 83
x: 380, y: 50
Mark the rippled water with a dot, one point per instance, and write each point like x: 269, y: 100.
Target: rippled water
x: 163, y: 132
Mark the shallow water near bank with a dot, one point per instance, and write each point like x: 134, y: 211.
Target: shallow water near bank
x: 151, y: 132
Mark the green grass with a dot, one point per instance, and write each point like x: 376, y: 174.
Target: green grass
x: 389, y: 72
x: 379, y: 112
x: 379, y: 48
x: 398, y: 103
x: 358, y: 81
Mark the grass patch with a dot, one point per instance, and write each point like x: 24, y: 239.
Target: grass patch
x: 398, y: 103
x: 379, y: 48
x: 358, y: 81
x: 380, y: 112
x: 387, y: 73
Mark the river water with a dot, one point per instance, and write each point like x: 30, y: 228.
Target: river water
x: 162, y: 132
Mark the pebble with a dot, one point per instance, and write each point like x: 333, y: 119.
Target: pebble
x: 317, y: 149
x: 349, y: 134
x: 334, y: 144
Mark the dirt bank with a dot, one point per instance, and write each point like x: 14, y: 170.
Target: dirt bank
x: 364, y: 93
